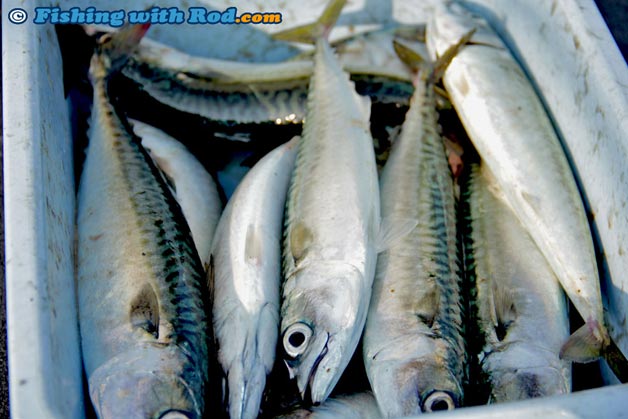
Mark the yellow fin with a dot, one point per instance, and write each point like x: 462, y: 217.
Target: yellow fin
x: 585, y: 344
x: 300, y: 240
x: 312, y: 32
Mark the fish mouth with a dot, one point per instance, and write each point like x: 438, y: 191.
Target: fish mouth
x: 318, y: 398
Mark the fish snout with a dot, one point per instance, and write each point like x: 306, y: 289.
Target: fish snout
x: 143, y: 394
x: 175, y: 414
x: 309, y: 360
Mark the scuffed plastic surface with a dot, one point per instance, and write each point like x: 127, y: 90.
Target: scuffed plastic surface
x: 42, y: 332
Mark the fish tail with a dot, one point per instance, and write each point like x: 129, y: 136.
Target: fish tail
x: 441, y: 63
x: 118, y: 46
x: 312, y: 32
x: 586, y: 344
x: 430, y: 71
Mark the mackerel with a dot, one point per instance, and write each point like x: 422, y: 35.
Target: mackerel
x: 141, y: 292
x: 246, y: 275
x: 190, y: 184
x: 263, y: 92
x: 413, y: 348
x: 347, y: 406
x: 332, y: 218
x: 513, y: 135
x: 519, y: 313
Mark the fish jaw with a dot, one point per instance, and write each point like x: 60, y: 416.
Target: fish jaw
x: 408, y: 379
x: 246, y: 388
x: 322, y: 322
x: 510, y: 381
x: 129, y: 385
x: 246, y: 360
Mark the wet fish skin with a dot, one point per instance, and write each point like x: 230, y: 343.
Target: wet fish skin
x: 261, y: 92
x: 520, y: 310
x: 192, y: 186
x: 346, y: 406
x: 332, y: 218
x: 511, y: 131
x: 413, y: 349
x: 246, y: 275
x: 141, y: 293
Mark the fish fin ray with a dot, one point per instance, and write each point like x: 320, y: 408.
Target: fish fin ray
x: 312, y: 32
x: 585, y: 344
x: 392, y: 230
x: 441, y: 63
x: 503, y: 308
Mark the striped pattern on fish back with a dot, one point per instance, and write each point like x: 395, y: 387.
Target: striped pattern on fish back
x: 439, y: 222
x: 214, y: 101
x: 476, y: 381
x: 178, y: 273
x: 425, y: 262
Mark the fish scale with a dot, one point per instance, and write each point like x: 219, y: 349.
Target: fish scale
x: 413, y: 345
x: 140, y: 283
x: 518, y: 315
x: 248, y: 104
x: 512, y: 133
x: 332, y: 218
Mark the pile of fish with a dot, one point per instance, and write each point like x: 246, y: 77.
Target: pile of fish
x: 450, y: 284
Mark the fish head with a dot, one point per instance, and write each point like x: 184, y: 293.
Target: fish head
x: 409, y: 376
x: 146, y: 384
x: 451, y: 21
x: 322, y: 320
x: 524, y: 372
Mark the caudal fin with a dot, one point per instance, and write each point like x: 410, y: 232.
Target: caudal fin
x: 312, y: 32
x: 118, y: 46
x: 432, y: 72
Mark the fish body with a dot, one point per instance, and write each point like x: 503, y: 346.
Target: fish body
x: 263, y: 92
x: 332, y: 219
x: 246, y: 276
x: 519, y: 307
x: 141, y: 293
x: 513, y: 135
x: 348, y: 406
x: 413, y: 349
x: 191, y: 185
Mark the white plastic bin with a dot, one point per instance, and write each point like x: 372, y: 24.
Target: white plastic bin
x: 564, y: 46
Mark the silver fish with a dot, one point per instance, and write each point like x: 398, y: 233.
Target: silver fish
x: 261, y: 92
x: 512, y: 133
x: 332, y: 218
x: 190, y: 184
x: 246, y: 276
x: 350, y: 406
x: 141, y: 293
x: 520, y: 309
x: 413, y: 348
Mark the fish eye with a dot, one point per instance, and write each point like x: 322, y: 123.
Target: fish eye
x: 175, y: 414
x: 438, y: 401
x: 296, y: 339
